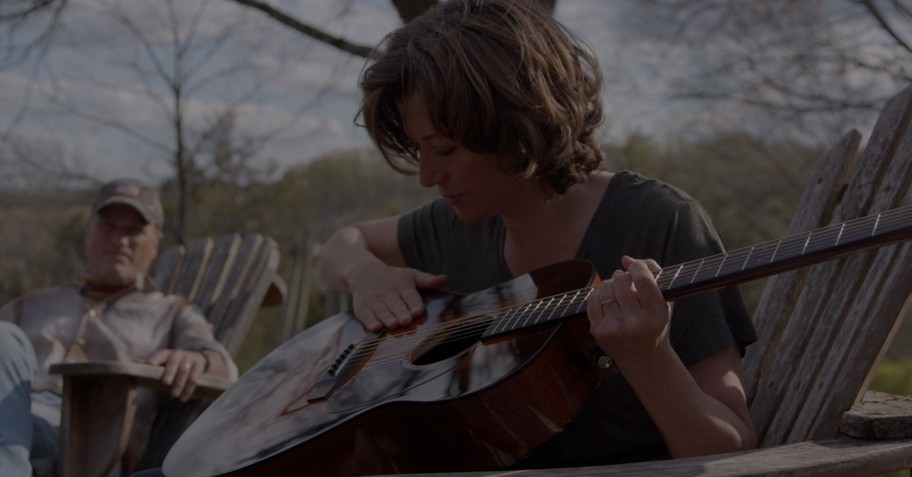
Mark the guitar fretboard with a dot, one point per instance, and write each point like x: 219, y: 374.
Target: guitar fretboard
x: 538, y: 312
x: 788, y: 253
x: 717, y: 271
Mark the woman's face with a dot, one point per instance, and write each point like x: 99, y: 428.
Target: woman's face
x: 474, y: 185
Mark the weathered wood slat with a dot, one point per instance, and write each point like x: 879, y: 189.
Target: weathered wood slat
x: 252, y: 277
x: 295, y: 309
x: 780, y: 294
x: 824, y: 458
x: 196, y: 258
x: 235, y: 277
x: 255, y: 284
x: 871, y: 291
x: 789, y: 320
x: 214, y: 276
x: 166, y: 268
x: 827, y: 323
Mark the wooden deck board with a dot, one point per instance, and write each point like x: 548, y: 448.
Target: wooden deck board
x: 831, y: 458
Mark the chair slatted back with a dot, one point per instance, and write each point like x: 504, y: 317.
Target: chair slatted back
x: 228, y: 278
x: 823, y: 329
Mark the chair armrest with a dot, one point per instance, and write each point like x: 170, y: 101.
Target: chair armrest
x: 147, y: 375
x: 99, y: 405
x: 879, y: 416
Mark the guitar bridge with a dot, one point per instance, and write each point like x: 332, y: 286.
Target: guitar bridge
x: 331, y: 378
x: 347, y: 361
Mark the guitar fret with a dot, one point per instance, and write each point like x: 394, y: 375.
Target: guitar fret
x: 806, y: 242
x: 821, y: 239
x: 776, y: 251
x: 760, y: 254
x: 531, y: 313
x: 503, y: 321
x: 581, y: 304
x: 557, y: 307
x: 674, y: 276
x: 521, y: 313
x: 721, y: 264
x: 710, y: 268
x: 744, y: 264
x: 699, y: 267
x: 732, y: 263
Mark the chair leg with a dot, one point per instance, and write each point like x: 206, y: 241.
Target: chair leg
x: 97, y: 420
x: 172, y: 419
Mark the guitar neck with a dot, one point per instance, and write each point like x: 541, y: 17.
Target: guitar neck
x: 736, y: 266
x: 791, y: 252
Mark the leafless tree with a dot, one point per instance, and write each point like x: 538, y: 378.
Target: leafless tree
x: 819, y: 63
x: 170, y: 53
x: 813, y: 61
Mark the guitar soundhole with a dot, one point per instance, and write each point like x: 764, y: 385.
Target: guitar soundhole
x: 449, y: 341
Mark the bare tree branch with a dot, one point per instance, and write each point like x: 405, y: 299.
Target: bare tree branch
x: 295, y: 24
x: 881, y: 19
x: 409, y: 9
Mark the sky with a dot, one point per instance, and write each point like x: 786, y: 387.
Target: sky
x: 95, y: 102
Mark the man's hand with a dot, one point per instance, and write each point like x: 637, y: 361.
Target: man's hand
x: 182, y: 370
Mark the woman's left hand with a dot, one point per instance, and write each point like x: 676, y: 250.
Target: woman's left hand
x: 628, y: 316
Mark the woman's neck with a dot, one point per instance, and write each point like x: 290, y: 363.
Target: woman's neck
x: 548, y: 230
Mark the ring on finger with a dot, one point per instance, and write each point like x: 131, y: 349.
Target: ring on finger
x: 606, y: 301
x: 187, y: 364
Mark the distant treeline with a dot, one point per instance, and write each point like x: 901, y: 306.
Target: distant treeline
x: 748, y: 184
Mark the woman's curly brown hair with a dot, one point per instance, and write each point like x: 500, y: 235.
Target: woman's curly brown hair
x: 497, y: 76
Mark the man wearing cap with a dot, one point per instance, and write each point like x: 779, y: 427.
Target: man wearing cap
x: 116, y: 313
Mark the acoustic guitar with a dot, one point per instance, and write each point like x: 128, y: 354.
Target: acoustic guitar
x: 480, y: 381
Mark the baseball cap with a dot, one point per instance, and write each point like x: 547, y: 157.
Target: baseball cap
x: 135, y: 194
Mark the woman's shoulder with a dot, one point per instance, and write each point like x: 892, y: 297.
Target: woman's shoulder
x: 631, y: 187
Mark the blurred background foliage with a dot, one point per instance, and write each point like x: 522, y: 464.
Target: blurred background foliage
x: 748, y: 184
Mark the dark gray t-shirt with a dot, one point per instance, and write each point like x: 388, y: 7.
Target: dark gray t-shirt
x: 639, y: 217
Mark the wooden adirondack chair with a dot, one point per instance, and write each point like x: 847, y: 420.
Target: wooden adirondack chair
x: 822, y: 331
x: 229, y: 278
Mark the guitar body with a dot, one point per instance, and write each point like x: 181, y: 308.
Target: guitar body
x: 438, y: 396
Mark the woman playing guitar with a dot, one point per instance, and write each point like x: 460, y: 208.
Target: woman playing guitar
x: 497, y: 105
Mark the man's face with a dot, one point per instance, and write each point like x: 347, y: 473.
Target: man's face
x: 120, y: 245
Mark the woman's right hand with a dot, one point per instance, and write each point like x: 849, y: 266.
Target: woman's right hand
x: 388, y: 297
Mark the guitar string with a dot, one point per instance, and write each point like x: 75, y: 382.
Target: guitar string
x: 472, y: 325
x: 788, y: 247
